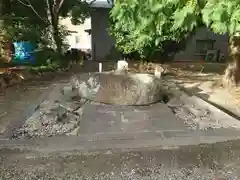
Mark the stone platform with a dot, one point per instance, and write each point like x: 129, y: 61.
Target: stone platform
x: 99, y: 119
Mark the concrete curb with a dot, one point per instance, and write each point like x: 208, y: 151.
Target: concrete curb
x: 88, y: 143
x: 222, y: 115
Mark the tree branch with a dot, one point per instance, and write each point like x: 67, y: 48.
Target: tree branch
x: 48, y: 10
x: 92, y: 2
x: 33, y: 9
x: 60, y: 5
x: 51, y: 10
x: 28, y: 5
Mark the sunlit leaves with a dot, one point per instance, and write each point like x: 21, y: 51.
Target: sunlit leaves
x: 186, y: 15
x: 157, y: 8
x: 79, y: 11
x: 151, y: 22
x: 222, y: 16
x: 143, y: 23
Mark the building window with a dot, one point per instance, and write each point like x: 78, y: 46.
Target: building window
x: 202, y: 45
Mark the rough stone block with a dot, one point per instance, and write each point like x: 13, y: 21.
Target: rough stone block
x: 123, y: 89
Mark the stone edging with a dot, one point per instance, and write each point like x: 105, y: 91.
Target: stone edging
x: 218, y: 112
x: 201, y: 101
x: 81, y: 143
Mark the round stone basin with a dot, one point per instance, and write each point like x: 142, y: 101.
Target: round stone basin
x: 113, y: 88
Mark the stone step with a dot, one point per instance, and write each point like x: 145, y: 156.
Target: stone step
x: 137, y: 140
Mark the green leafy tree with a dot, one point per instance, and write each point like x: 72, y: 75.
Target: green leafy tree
x: 143, y: 23
x: 146, y: 25
x: 47, y: 13
x: 17, y: 26
x: 223, y: 17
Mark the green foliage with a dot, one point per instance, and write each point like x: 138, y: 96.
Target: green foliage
x: 23, y: 31
x: 21, y: 24
x: 29, y: 20
x: 46, y: 55
x: 36, y: 11
x: 140, y: 25
x: 145, y: 25
x: 79, y: 11
x: 222, y: 16
x: 40, y: 36
x: 44, y: 68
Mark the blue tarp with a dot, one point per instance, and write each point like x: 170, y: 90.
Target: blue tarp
x: 24, y: 53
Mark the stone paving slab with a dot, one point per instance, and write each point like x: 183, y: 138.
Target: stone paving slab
x: 114, y: 118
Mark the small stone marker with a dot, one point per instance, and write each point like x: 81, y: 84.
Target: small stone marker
x: 158, y: 71
x: 100, y: 67
x: 122, y: 65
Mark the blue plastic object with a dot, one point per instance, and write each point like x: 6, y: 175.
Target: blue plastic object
x: 24, y: 53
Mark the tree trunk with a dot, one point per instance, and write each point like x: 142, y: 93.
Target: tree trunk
x: 56, y: 37
x: 53, y: 18
x: 232, y: 72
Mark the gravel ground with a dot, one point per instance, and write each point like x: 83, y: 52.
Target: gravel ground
x: 196, y: 163
x: 200, y: 118
x: 52, y: 118
x: 195, y: 117
x: 154, y: 173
